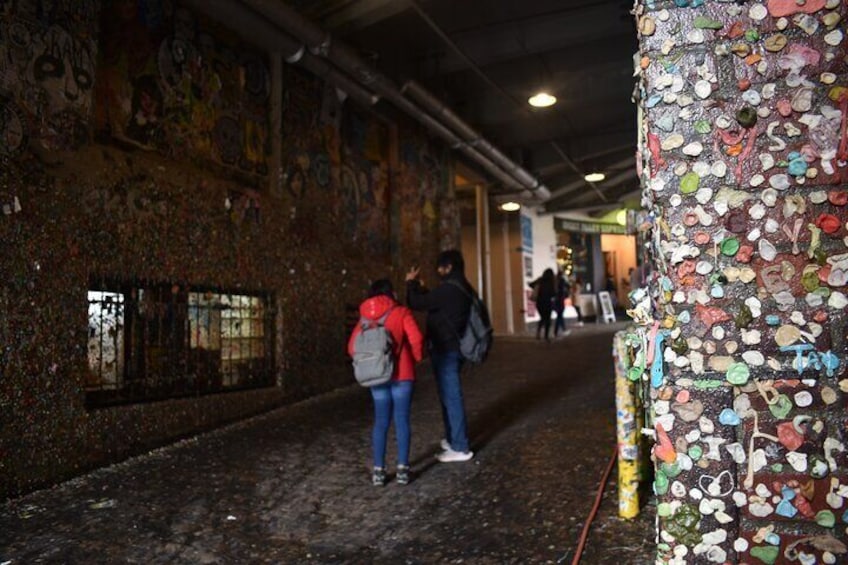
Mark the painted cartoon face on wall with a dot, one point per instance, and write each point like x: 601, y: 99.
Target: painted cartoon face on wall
x: 64, y: 69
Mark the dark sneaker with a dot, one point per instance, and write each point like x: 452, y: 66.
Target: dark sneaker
x: 378, y: 477
x: 403, y: 475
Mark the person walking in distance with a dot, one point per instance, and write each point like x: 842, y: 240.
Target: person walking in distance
x: 562, y: 291
x: 576, y: 289
x: 544, y: 288
x: 447, y: 306
x: 392, y: 400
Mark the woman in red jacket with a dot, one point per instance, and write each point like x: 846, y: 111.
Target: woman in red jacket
x: 393, y: 399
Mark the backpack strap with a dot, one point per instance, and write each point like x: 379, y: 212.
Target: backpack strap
x: 457, y: 284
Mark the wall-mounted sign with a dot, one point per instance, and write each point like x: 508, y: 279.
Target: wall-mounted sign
x: 562, y: 224
x: 526, y: 234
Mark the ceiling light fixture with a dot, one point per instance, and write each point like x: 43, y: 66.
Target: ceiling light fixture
x: 595, y: 177
x: 510, y: 206
x: 542, y: 100
x: 621, y: 217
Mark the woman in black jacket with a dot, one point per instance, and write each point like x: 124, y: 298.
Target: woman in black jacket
x: 545, y: 290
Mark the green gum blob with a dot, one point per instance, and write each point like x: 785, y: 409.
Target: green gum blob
x: 738, y: 374
x: 689, y: 183
x: 825, y: 519
x: 820, y: 256
x: 810, y: 281
x: 703, y: 22
x: 684, y: 525
x: 782, y: 407
x: 765, y: 553
x: 680, y: 345
x: 660, y: 483
x: 708, y: 383
x: 670, y: 470
x: 823, y: 291
x: 729, y: 246
x: 703, y: 126
x: 744, y: 318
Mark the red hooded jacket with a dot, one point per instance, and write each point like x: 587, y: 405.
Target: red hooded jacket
x: 407, y: 338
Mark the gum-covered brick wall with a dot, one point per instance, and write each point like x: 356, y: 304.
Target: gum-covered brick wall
x: 744, y: 166
x: 137, y: 153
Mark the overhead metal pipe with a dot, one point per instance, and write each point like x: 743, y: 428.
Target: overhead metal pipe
x: 323, y: 69
x: 273, y: 39
x: 429, y: 101
x: 322, y: 44
x: 262, y: 33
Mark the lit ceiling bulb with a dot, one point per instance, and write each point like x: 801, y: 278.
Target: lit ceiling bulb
x: 542, y: 100
x: 510, y: 206
x: 595, y: 177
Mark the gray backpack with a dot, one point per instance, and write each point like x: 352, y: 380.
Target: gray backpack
x: 476, y: 339
x: 373, y: 352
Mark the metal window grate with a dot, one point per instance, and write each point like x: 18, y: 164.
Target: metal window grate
x: 149, y: 342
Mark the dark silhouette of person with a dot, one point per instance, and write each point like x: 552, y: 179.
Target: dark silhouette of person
x: 545, y: 295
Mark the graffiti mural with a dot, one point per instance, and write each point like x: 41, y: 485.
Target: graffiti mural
x: 47, y: 67
x: 364, y: 183
x: 171, y: 82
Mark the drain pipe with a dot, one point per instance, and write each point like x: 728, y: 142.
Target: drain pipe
x: 321, y: 44
x: 430, y: 102
x: 274, y: 40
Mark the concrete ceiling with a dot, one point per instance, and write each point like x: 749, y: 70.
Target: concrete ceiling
x: 484, y: 58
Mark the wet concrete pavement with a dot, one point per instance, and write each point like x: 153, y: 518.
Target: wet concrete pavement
x: 293, y: 485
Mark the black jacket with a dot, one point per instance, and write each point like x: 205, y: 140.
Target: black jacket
x: 447, y: 310
x: 547, y: 293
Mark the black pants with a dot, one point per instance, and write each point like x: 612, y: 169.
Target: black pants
x: 560, y: 322
x: 544, y: 322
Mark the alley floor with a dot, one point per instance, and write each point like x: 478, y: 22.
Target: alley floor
x: 293, y: 485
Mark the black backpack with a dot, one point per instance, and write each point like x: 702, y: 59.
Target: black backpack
x: 476, y: 340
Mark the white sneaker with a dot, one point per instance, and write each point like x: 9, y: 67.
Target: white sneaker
x: 445, y: 445
x: 451, y: 456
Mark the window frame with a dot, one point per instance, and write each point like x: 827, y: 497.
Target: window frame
x: 160, y: 359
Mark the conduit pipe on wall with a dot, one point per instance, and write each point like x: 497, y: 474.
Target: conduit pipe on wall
x: 320, y: 43
x: 434, y: 105
x: 271, y: 38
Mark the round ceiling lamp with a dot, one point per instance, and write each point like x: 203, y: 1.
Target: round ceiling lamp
x: 510, y: 206
x: 595, y: 177
x: 542, y: 100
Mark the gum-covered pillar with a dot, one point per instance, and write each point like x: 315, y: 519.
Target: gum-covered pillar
x: 745, y: 172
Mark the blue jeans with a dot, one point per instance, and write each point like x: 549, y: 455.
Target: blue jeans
x: 446, y: 366
x: 391, y: 401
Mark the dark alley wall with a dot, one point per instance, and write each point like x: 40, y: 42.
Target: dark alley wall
x: 140, y: 145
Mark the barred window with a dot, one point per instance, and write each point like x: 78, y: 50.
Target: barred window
x: 155, y: 341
